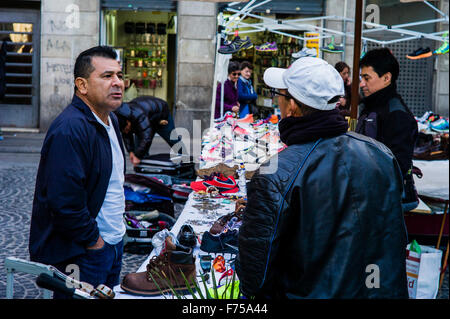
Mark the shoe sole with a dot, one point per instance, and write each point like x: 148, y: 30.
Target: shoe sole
x: 182, y: 290
x: 420, y: 56
x: 332, y: 51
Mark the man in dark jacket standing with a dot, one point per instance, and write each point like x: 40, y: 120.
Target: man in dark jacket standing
x: 328, y: 222
x: 77, y: 220
x: 385, y: 116
x: 139, y: 120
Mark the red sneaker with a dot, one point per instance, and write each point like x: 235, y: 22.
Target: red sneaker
x: 222, y: 183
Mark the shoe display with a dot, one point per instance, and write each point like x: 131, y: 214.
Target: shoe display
x: 247, y: 119
x: 236, y: 45
x: 220, y: 225
x: 131, y: 221
x: 241, y: 130
x: 220, y: 243
x: 223, y: 184
x: 332, y: 47
x: 163, y: 272
x: 420, y: 53
x: 443, y: 49
x: 364, y: 50
x: 224, y: 118
x: 305, y: 52
x: 267, y: 47
x: 219, y: 169
x: 186, y: 236
x: 440, y: 125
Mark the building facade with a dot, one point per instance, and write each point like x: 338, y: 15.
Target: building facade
x: 168, y: 49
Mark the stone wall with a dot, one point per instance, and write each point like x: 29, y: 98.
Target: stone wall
x: 68, y: 27
x: 197, y: 23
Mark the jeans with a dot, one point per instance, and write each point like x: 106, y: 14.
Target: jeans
x: 98, y: 266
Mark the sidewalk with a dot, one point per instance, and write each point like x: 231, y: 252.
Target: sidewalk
x: 32, y: 143
x: 21, y: 142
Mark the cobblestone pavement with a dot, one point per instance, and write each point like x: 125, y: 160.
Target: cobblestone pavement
x: 17, y: 181
x: 16, y: 197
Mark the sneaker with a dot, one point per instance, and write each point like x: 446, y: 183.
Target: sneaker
x: 224, y: 118
x: 333, y: 48
x: 420, y: 53
x: 222, y: 183
x: 247, y: 119
x: 240, y: 130
x: 267, y: 47
x: 186, y: 236
x: 424, y: 117
x: 219, y: 243
x: 131, y: 221
x: 440, y: 125
x: 305, y: 52
x: 443, y: 49
x: 236, y: 45
x: 220, y: 225
x: 218, y: 169
x: 163, y: 272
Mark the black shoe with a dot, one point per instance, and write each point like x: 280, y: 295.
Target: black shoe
x: 186, y: 236
x: 420, y: 53
x: 220, y: 244
x: 236, y: 45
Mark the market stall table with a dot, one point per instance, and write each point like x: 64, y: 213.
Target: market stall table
x: 200, y: 222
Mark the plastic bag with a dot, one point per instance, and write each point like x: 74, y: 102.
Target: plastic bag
x: 423, y: 268
x: 159, y: 239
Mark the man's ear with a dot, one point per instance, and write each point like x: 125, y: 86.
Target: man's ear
x: 81, y: 84
x: 293, y: 109
x: 387, y: 77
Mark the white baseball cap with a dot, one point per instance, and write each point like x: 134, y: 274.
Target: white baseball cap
x: 310, y: 80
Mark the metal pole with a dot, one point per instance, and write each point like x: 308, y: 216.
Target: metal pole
x: 356, y: 53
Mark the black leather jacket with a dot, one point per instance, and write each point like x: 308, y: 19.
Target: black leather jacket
x: 144, y: 113
x: 323, y: 223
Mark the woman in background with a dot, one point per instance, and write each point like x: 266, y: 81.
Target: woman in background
x: 230, y: 93
x: 345, y: 102
x: 246, y: 94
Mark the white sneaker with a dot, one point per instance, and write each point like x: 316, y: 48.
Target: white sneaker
x: 305, y: 52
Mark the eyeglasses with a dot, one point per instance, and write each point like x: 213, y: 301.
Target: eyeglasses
x: 274, y: 92
x: 235, y: 73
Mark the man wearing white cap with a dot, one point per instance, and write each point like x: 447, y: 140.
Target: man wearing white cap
x: 328, y: 223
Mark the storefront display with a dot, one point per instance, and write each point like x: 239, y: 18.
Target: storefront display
x: 144, y: 39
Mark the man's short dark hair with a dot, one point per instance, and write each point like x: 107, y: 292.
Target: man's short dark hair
x: 83, y: 66
x: 246, y: 64
x: 233, y: 66
x: 382, y: 61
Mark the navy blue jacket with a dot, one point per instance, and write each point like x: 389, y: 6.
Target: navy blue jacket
x: 71, y: 184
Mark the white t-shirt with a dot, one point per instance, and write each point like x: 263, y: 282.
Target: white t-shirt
x: 110, y: 218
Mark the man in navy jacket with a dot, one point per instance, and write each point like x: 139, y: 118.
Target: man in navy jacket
x: 79, y: 201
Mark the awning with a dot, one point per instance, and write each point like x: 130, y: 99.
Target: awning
x: 303, y: 7
x: 140, y: 5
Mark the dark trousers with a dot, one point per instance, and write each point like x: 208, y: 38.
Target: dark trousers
x: 164, y: 131
x: 99, y: 266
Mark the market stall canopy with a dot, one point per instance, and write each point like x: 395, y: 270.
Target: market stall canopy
x: 302, y: 7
